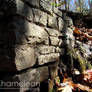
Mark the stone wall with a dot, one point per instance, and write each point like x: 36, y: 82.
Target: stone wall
x: 30, y: 41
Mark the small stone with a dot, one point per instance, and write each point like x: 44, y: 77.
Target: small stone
x: 35, y: 40
x: 60, y: 42
x: 58, y: 50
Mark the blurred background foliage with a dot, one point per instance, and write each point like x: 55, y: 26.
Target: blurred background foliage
x: 81, y: 6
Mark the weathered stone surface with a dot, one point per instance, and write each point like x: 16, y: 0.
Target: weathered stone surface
x: 35, y: 31
x: 52, y: 21
x: 24, y: 10
x: 34, y: 3
x: 60, y: 24
x: 57, y: 11
x: 70, y: 31
x: 70, y: 37
x: 46, y: 49
x: 54, y: 41
x: 43, y: 59
x: 25, y: 57
x: 26, y: 30
x: 58, y: 50
x: 46, y: 5
x: 53, y: 32
x: 40, y: 17
x: 35, y: 75
x: 43, y: 18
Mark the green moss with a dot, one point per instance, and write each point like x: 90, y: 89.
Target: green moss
x: 82, y: 63
x: 79, y: 62
x: 52, y: 90
x: 89, y: 66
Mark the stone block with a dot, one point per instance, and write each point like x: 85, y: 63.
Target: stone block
x: 25, y: 57
x: 43, y: 59
x: 35, y: 31
x: 70, y: 37
x: 25, y: 31
x: 52, y: 21
x: 58, y: 50
x: 46, y: 49
x: 46, y: 5
x: 40, y: 17
x: 60, y: 24
x: 24, y: 10
x: 26, y: 81
x: 54, y: 41
x: 53, y: 32
x: 57, y: 12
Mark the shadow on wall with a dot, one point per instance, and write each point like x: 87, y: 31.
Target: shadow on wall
x: 14, y: 31
x: 11, y: 37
